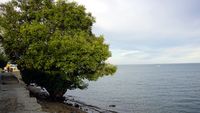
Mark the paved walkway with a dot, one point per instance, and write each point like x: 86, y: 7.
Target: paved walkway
x: 14, y: 98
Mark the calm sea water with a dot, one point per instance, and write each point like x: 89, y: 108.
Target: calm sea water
x: 171, y: 88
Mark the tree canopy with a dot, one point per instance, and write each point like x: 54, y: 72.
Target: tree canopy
x: 53, y: 44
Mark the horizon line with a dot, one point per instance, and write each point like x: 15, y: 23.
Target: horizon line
x: 159, y: 63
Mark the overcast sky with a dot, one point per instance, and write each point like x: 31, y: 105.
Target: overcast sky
x: 148, y: 31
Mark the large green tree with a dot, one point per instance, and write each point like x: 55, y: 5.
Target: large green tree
x: 53, y: 44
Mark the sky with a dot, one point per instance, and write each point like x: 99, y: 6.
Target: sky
x: 148, y: 31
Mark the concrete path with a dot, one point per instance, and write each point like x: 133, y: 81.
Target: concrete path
x: 14, y: 98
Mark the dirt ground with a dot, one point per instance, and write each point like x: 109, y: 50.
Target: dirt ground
x: 56, y: 107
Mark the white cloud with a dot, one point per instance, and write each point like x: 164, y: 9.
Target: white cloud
x: 141, y: 16
x: 185, y: 54
x: 162, y: 31
x: 122, y: 56
x: 130, y: 53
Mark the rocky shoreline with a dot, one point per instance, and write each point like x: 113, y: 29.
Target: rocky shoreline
x: 15, y: 98
x: 70, y: 100
x: 57, y: 107
x: 70, y: 105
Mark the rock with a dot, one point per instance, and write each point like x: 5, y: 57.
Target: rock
x: 112, y: 105
x: 76, y: 105
x: 69, y: 104
x: 37, y: 92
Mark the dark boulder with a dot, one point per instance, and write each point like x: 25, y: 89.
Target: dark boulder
x: 112, y: 105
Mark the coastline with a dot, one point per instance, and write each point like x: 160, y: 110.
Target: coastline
x: 57, y: 107
x: 15, y: 98
x: 70, y: 105
x: 13, y: 83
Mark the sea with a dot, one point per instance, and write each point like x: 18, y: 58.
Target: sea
x: 152, y: 88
